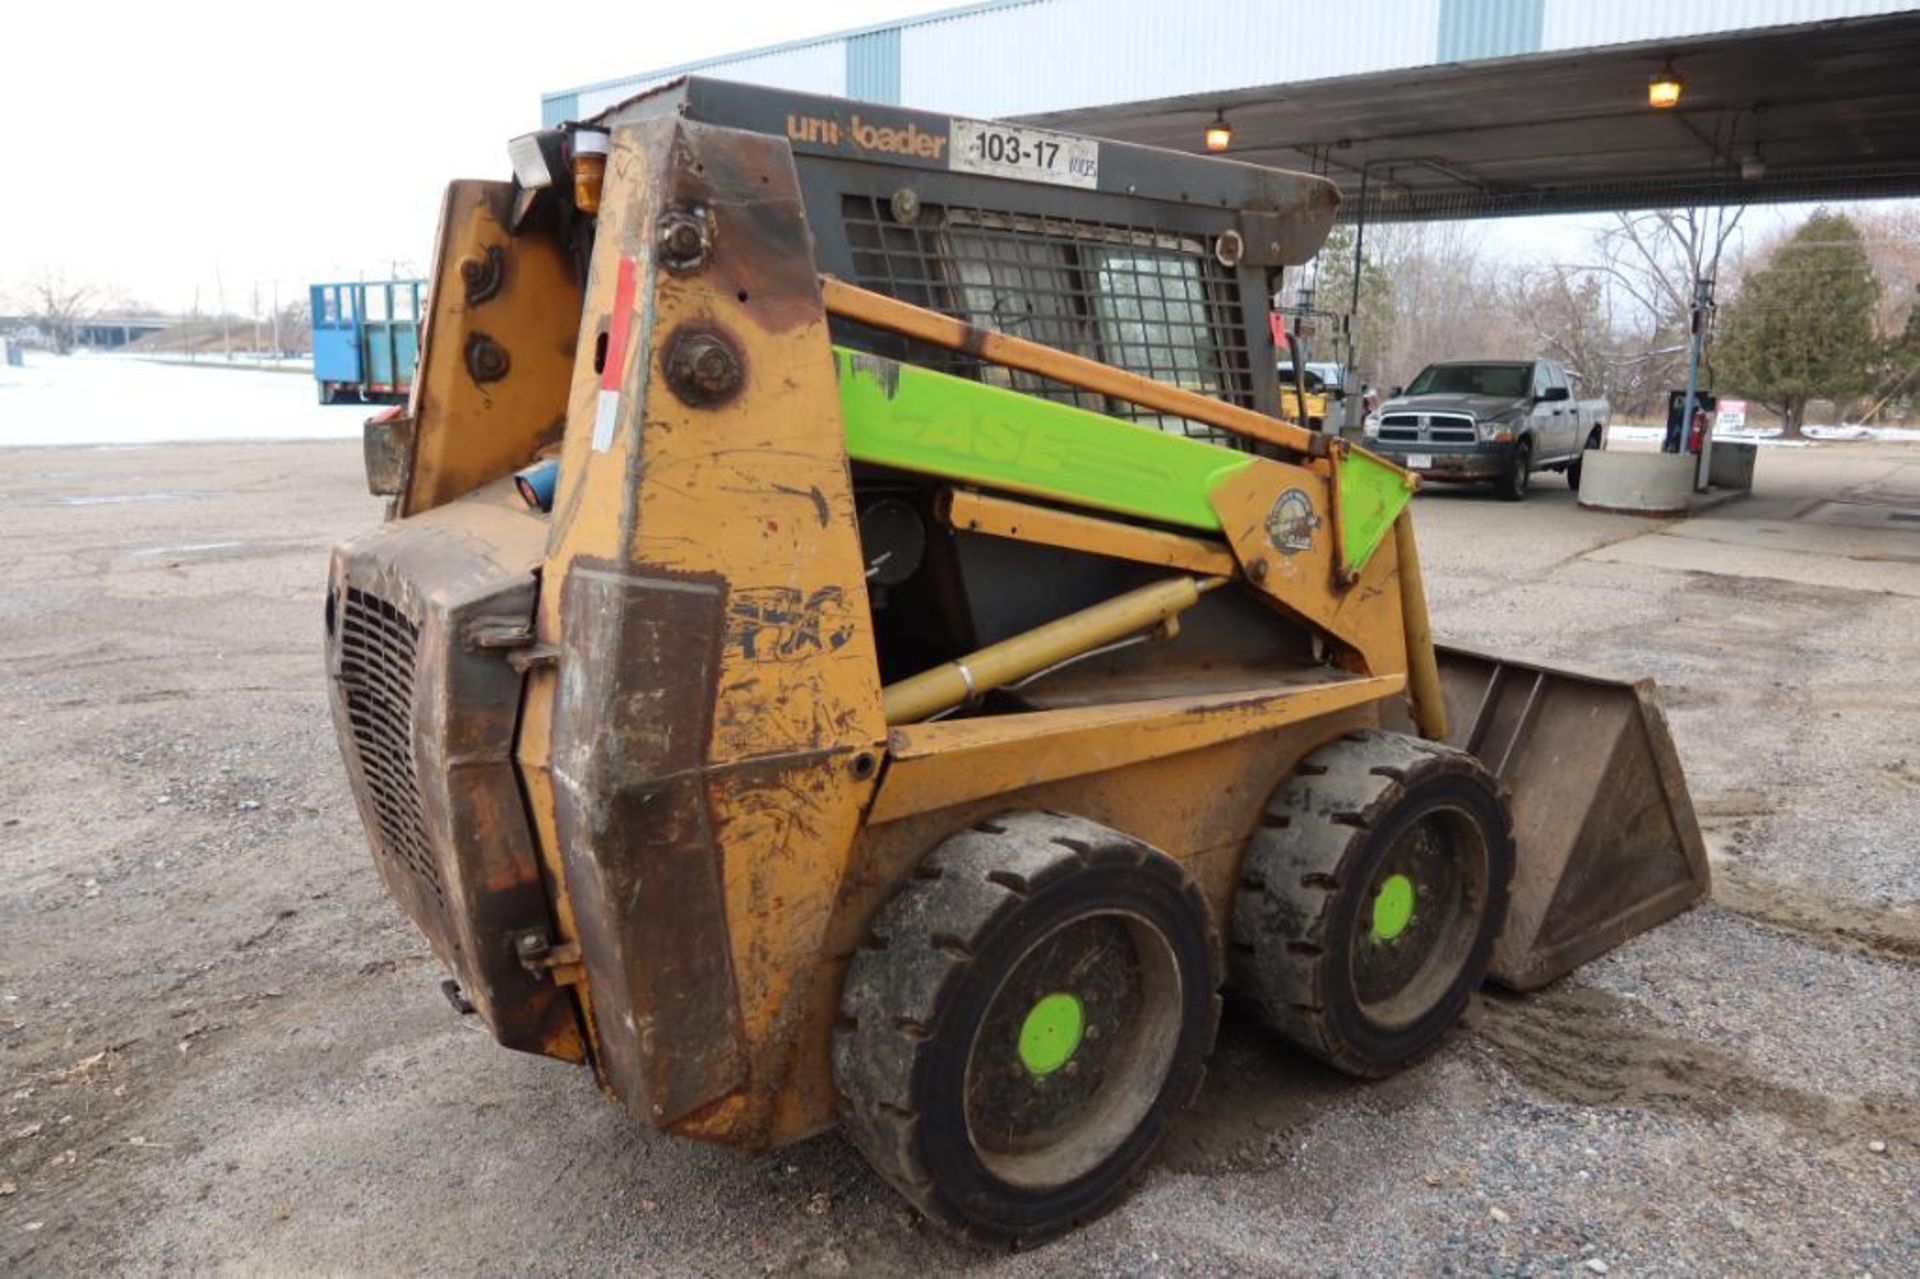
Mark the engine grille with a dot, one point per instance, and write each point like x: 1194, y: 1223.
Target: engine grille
x: 1150, y: 301
x: 1432, y: 428
x: 377, y: 662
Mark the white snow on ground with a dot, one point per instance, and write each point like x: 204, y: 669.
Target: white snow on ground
x: 1770, y: 435
x: 92, y: 399
x: 1621, y: 431
x: 1885, y: 434
x: 240, y: 360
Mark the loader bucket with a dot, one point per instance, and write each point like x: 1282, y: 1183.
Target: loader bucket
x: 1606, y: 838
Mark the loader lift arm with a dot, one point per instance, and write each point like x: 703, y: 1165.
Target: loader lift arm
x: 1365, y: 497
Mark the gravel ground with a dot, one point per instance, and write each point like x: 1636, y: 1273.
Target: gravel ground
x: 224, y: 1049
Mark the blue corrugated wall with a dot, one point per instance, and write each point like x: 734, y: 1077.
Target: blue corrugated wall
x: 873, y: 66
x: 1489, y: 28
x: 558, y: 109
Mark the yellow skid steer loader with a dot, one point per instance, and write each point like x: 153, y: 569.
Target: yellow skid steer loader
x: 857, y: 640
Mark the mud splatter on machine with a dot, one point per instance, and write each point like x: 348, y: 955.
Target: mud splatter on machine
x: 923, y: 667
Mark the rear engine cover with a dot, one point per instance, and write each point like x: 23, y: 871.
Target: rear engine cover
x: 422, y: 615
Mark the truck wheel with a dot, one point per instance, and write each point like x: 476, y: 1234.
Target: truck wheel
x: 1370, y: 899
x: 1573, y: 467
x: 1030, y: 1010
x: 1512, y: 485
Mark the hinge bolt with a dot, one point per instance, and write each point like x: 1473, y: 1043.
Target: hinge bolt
x: 487, y: 360
x: 703, y: 369
x: 684, y: 238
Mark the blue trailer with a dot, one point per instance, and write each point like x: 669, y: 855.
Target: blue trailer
x: 366, y: 339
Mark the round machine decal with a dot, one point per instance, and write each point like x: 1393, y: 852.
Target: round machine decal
x: 1291, y: 522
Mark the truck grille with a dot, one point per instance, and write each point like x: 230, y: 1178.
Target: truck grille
x: 377, y: 662
x: 1152, y: 302
x: 1430, y: 428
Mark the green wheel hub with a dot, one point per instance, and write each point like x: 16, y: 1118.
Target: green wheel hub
x: 1072, y: 1046
x: 1051, y: 1033
x: 1392, y: 907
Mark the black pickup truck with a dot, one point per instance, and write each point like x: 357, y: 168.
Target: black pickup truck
x: 1494, y: 420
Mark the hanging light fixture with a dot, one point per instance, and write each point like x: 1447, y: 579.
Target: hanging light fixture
x: 1663, y: 89
x: 1219, y: 133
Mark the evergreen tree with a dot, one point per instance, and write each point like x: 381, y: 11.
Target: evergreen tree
x: 1802, y: 325
x: 1372, y: 328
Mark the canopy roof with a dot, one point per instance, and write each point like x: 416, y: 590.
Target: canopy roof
x: 1827, y: 110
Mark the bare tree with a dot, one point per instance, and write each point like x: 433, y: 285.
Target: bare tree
x: 1448, y: 303
x: 1619, y: 318
x: 58, y: 306
x: 1574, y: 317
x: 1655, y: 256
x: 1892, y: 240
x: 293, y: 328
x: 1651, y: 260
x: 1570, y: 313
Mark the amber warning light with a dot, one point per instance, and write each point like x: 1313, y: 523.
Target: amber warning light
x: 1663, y: 90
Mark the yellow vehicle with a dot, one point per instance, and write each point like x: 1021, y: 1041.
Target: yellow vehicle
x: 854, y: 643
x: 1305, y: 404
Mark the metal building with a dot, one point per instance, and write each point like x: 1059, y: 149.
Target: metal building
x: 1026, y: 57
x: 1415, y: 108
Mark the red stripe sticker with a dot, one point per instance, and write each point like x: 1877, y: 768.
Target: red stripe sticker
x: 617, y: 328
x: 606, y: 412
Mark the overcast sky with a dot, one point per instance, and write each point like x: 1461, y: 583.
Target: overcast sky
x: 151, y: 146
x: 161, y: 149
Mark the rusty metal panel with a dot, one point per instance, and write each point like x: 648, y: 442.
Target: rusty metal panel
x: 711, y: 729
x: 425, y: 703
x: 1279, y: 522
x: 938, y: 765
x: 386, y: 445
x: 496, y: 351
x: 640, y: 655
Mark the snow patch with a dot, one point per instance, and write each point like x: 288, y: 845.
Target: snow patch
x: 1884, y: 434
x: 1769, y: 436
x: 119, y: 401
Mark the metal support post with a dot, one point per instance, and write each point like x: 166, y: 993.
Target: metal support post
x: 1356, y: 387
x: 1702, y: 304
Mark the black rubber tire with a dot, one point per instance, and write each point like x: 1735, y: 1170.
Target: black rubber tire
x: 917, y: 995
x: 1573, y: 467
x: 1513, y: 483
x: 1304, y: 883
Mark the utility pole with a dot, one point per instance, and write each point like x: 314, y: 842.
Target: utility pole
x: 1303, y: 302
x: 220, y: 296
x: 1702, y: 307
x: 1356, y: 385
